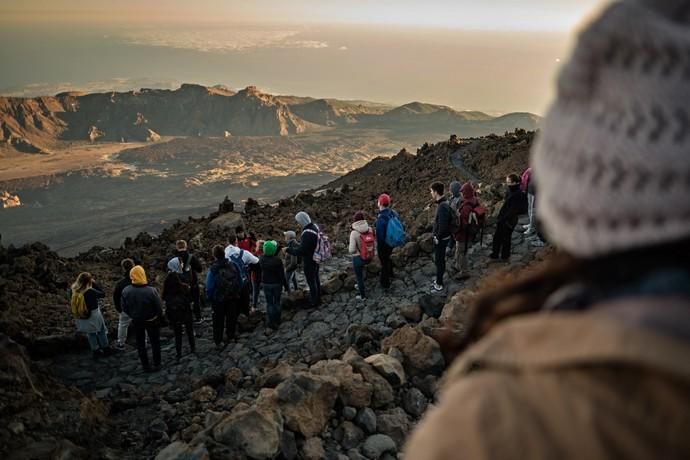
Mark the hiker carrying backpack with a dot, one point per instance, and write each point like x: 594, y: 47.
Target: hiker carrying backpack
x: 471, y: 217
x: 322, y: 252
x: 362, y: 247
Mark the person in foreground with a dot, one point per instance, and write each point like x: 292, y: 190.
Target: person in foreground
x: 589, y: 358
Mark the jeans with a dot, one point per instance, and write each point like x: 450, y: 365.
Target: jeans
x: 311, y: 273
x: 440, y: 259
x: 153, y: 330
x: 97, y: 339
x: 502, y: 241
x: 291, y: 277
x: 189, y: 330
x: 225, y: 318
x: 358, y: 264
x: 385, y: 252
x: 273, y: 293
x: 122, y: 326
x: 530, y: 211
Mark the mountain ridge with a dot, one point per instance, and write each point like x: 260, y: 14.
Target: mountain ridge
x: 37, y: 125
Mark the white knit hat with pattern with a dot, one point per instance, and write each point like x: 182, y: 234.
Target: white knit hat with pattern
x: 612, y: 161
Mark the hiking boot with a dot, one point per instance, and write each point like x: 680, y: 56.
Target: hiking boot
x: 120, y: 346
x: 529, y: 231
x: 359, y: 297
x: 436, y: 287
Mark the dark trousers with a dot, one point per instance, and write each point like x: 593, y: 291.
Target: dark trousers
x: 502, y: 241
x: 225, y: 318
x: 311, y: 273
x: 385, y: 252
x: 291, y: 277
x: 189, y: 330
x: 440, y: 259
x: 153, y: 330
x: 196, y: 301
x: 256, y: 291
x: 273, y: 292
x: 358, y: 264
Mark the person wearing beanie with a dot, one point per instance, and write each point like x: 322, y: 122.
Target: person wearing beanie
x: 142, y: 303
x: 514, y: 204
x: 384, y: 251
x: 124, y: 320
x: 361, y: 248
x: 189, y: 269
x: 586, y: 355
x: 464, y: 237
x: 305, y: 250
x: 290, y: 261
x: 274, y: 281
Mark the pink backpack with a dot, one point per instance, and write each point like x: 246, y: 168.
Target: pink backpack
x: 524, y: 180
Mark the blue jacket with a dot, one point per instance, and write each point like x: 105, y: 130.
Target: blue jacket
x: 211, y: 280
x: 381, y: 225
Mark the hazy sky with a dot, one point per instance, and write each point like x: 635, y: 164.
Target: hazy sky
x: 497, y: 55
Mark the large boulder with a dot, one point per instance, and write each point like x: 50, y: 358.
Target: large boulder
x: 229, y: 220
x: 353, y: 390
x: 306, y: 401
x: 426, y: 243
x: 390, y: 368
x: 181, y: 451
x: 382, y: 391
x: 256, y: 431
x: 411, y: 312
x: 432, y: 305
x: 275, y: 376
x: 422, y: 353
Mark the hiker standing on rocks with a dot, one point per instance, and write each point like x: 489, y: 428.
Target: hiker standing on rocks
x: 87, y: 314
x: 245, y: 261
x: 190, y: 267
x: 226, y: 289
x: 124, y: 320
x: 305, y: 249
x: 384, y: 251
x: 465, y: 236
x: 291, y: 262
x: 513, y: 205
x: 143, y: 304
x: 248, y: 242
x: 442, y: 233
x: 273, y: 281
x: 178, y: 299
x: 361, y: 248
x: 588, y: 356
x: 454, y: 201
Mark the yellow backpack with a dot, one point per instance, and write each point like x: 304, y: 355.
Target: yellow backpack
x: 78, y: 304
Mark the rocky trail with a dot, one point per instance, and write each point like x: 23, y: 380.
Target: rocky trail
x: 183, y: 401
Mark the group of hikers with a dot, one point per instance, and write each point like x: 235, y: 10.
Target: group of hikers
x: 246, y: 266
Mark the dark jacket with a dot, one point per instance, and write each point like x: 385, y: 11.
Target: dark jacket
x: 194, y: 266
x: 178, y: 307
x: 515, y: 204
x: 92, y: 295
x: 141, y: 302
x: 307, y: 245
x: 212, y: 279
x: 272, y: 271
x: 381, y: 225
x: 117, y: 292
x: 291, y: 261
x: 442, y: 220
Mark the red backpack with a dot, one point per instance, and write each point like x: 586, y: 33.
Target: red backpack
x: 367, y: 243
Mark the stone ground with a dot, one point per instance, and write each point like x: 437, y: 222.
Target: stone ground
x: 144, y: 405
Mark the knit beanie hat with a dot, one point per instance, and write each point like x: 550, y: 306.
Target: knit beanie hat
x: 270, y: 248
x: 138, y: 275
x: 612, y: 162
x: 303, y: 218
x: 455, y: 188
x: 384, y: 200
x: 359, y: 215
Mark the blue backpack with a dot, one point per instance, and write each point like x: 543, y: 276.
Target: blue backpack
x: 395, y: 231
x: 239, y: 265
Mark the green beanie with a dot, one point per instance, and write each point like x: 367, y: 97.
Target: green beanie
x: 270, y: 248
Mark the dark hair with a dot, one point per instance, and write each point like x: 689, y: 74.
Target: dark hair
x: 529, y: 292
x: 127, y: 265
x: 239, y: 229
x: 437, y: 187
x: 514, y: 178
x: 218, y: 252
x: 173, y: 285
x: 232, y: 238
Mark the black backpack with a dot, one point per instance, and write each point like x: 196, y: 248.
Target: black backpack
x: 186, y: 267
x: 228, y: 282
